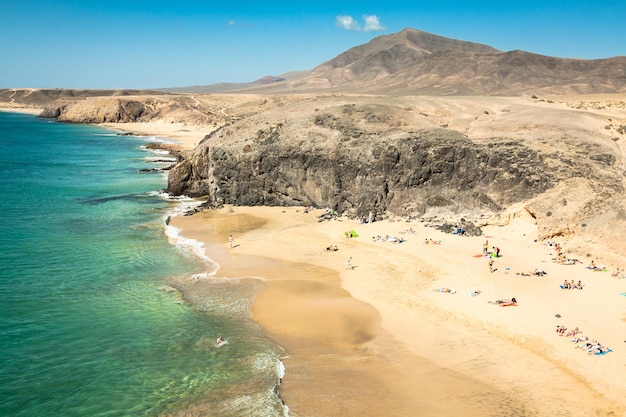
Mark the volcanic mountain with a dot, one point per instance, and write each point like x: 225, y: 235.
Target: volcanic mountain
x: 413, y: 62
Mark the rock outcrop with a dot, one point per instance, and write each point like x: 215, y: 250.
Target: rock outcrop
x: 369, y: 155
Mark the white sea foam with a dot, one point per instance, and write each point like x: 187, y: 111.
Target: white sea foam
x: 280, y: 368
x: 185, y: 205
x: 193, y: 246
x: 160, y: 158
x: 157, y: 151
x: 263, y: 403
x: 154, y: 139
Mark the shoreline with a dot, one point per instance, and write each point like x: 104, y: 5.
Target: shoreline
x: 35, y: 111
x: 352, y: 334
x: 187, y: 136
x: 398, y: 337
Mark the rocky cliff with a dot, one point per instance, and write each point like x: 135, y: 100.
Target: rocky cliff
x: 339, y: 165
x: 559, y: 158
x: 407, y: 157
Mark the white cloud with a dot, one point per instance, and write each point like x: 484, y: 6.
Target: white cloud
x: 372, y: 24
x: 348, y: 23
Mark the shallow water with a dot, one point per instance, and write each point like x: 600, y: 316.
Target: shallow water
x: 86, y: 325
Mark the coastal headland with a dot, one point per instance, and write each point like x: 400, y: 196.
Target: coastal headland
x: 342, y: 187
x: 382, y: 337
x: 377, y: 339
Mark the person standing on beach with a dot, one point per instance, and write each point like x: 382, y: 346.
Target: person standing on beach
x: 230, y: 240
x: 349, y: 263
x: 485, y: 247
x: 490, y: 264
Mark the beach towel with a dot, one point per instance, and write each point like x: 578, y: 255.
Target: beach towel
x: 602, y: 353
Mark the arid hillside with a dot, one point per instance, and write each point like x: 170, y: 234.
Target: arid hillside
x: 491, y: 134
x: 561, y: 159
x: 412, y: 62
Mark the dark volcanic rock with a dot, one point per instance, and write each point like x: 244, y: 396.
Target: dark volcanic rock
x: 353, y: 162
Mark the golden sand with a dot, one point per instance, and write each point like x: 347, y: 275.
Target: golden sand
x: 376, y: 339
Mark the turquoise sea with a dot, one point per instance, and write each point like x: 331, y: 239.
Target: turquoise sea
x: 87, y: 325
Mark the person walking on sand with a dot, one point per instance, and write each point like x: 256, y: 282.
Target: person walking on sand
x: 349, y: 263
x: 230, y: 240
x: 491, y: 265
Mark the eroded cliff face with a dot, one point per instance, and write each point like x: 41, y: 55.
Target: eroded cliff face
x: 367, y: 157
x: 559, y: 159
x: 129, y: 109
x: 358, y: 174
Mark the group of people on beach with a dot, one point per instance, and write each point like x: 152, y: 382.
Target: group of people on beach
x: 582, y: 342
x: 495, y: 251
x: 571, y: 285
x: 562, y: 259
x: 429, y: 241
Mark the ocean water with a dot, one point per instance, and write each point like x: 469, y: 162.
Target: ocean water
x: 88, y: 326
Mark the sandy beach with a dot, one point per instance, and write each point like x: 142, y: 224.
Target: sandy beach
x: 187, y: 136
x: 18, y: 109
x: 376, y: 337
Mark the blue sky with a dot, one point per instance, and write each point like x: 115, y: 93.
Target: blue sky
x: 151, y: 44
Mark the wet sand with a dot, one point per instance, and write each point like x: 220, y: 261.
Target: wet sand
x: 377, y: 340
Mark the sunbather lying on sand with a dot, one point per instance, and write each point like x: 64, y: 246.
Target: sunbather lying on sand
x: 537, y: 272
x: 562, y: 259
x: 599, y: 349
x: 579, y: 339
x: 448, y: 290
x: 505, y: 302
